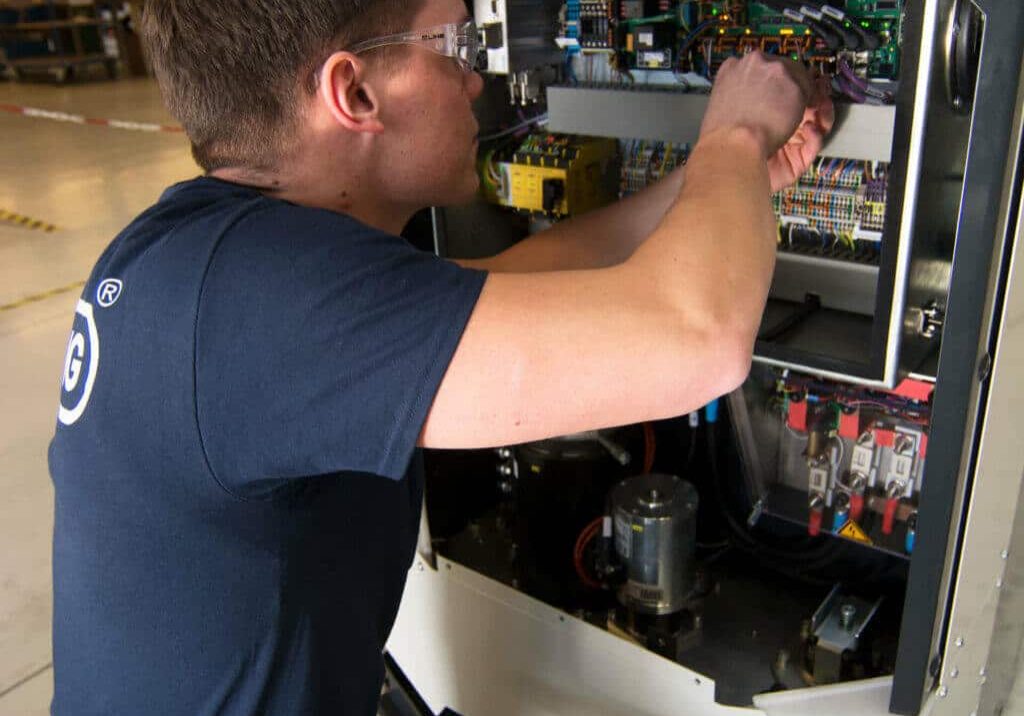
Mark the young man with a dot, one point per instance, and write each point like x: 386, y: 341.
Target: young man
x: 257, y: 357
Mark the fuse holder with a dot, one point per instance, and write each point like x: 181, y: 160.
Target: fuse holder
x: 797, y: 416
x: 915, y: 390
x: 856, y: 506
x: 814, y: 523
x: 849, y: 425
x: 889, y: 518
x: 885, y: 438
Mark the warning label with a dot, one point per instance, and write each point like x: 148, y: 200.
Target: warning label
x: 851, y: 530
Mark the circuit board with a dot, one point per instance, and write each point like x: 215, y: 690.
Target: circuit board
x: 857, y: 43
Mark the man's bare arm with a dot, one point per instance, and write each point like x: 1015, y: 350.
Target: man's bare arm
x: 598, y: 239
x: 663, y: 332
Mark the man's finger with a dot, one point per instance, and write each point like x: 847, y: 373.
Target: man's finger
x: 802, y: 76
x: 822, y: 111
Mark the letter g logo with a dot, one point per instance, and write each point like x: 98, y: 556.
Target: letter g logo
x: 83, y: 355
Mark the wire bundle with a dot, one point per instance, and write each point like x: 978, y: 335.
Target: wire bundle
x: 645, y: 162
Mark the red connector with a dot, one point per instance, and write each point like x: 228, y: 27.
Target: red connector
x: 856, y: 506
x: 889, y: 519
x: 814, y: 522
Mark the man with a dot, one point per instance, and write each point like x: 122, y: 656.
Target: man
x: 256, y: 358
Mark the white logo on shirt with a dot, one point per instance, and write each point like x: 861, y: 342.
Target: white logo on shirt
x: 83, y: 354
x: 108, y: 292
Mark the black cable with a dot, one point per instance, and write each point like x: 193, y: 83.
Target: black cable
x: 807, y: 560
x: 869, y: 40
x: 790, y: 10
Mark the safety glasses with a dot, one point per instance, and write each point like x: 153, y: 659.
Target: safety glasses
x: 458, y: 40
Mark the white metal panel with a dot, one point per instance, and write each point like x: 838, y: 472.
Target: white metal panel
x: 862, y: 131
x: 855, y: 698
x: 982, y: 583
x: 474, y: 645
x: 483, y: 649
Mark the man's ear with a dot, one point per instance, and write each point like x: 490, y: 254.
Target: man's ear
x: 346, y: 93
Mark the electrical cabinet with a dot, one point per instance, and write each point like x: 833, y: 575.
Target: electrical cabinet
x: 836, y: 554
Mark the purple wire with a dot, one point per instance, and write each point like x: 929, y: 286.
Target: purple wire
x: 851, y: 91
x: 849, y: 74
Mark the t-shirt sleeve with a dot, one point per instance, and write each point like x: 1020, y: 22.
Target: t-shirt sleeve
x: 320, y: 345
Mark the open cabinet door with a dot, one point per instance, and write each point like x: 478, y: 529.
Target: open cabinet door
x: 986, y: 227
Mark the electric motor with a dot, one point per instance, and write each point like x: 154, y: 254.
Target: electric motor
x: 655, y: 519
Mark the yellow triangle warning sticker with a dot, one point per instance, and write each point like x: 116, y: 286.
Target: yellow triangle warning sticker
x: 851, y: 530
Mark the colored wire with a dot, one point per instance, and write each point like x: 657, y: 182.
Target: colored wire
x: 649, y: 448
x: 588, y: 533
x: 540, y: 120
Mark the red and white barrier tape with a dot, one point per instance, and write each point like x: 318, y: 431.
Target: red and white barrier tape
x: 79, y: 119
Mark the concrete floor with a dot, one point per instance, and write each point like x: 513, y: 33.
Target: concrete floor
x: 89, y: 181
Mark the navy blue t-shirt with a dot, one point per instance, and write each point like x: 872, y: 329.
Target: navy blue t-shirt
x: 237, y: 485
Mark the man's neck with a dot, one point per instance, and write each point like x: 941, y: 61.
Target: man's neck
x: 344, y: 196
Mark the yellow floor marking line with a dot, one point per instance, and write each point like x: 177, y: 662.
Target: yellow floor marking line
x: 26, y: 221
x: 42, y: 296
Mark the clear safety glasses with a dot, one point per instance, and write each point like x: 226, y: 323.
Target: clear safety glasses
x: 458, y: 40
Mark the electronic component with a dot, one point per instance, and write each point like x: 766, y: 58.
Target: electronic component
x: 864, y: 39
x: 644, y: 162
x: 552, y: 175
x: 655, y: 518
x: 638, y: 9
x: 863, y: 453
x: 651, y: 46
x: 837, y: 207
x: 594, y: 29
x: 858, y: 45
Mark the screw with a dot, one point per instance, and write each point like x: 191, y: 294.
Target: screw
x: 846, y: 615
x: 1004, y: 554
x: 959, y: 642
x: 954, y: 672
x: 982, y: 672
x: 903, y: 444
x: 999, y: 583
x: 504, y: 453
x: 419, y: 566
x: 858, y: 481
x: 943, y: 692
